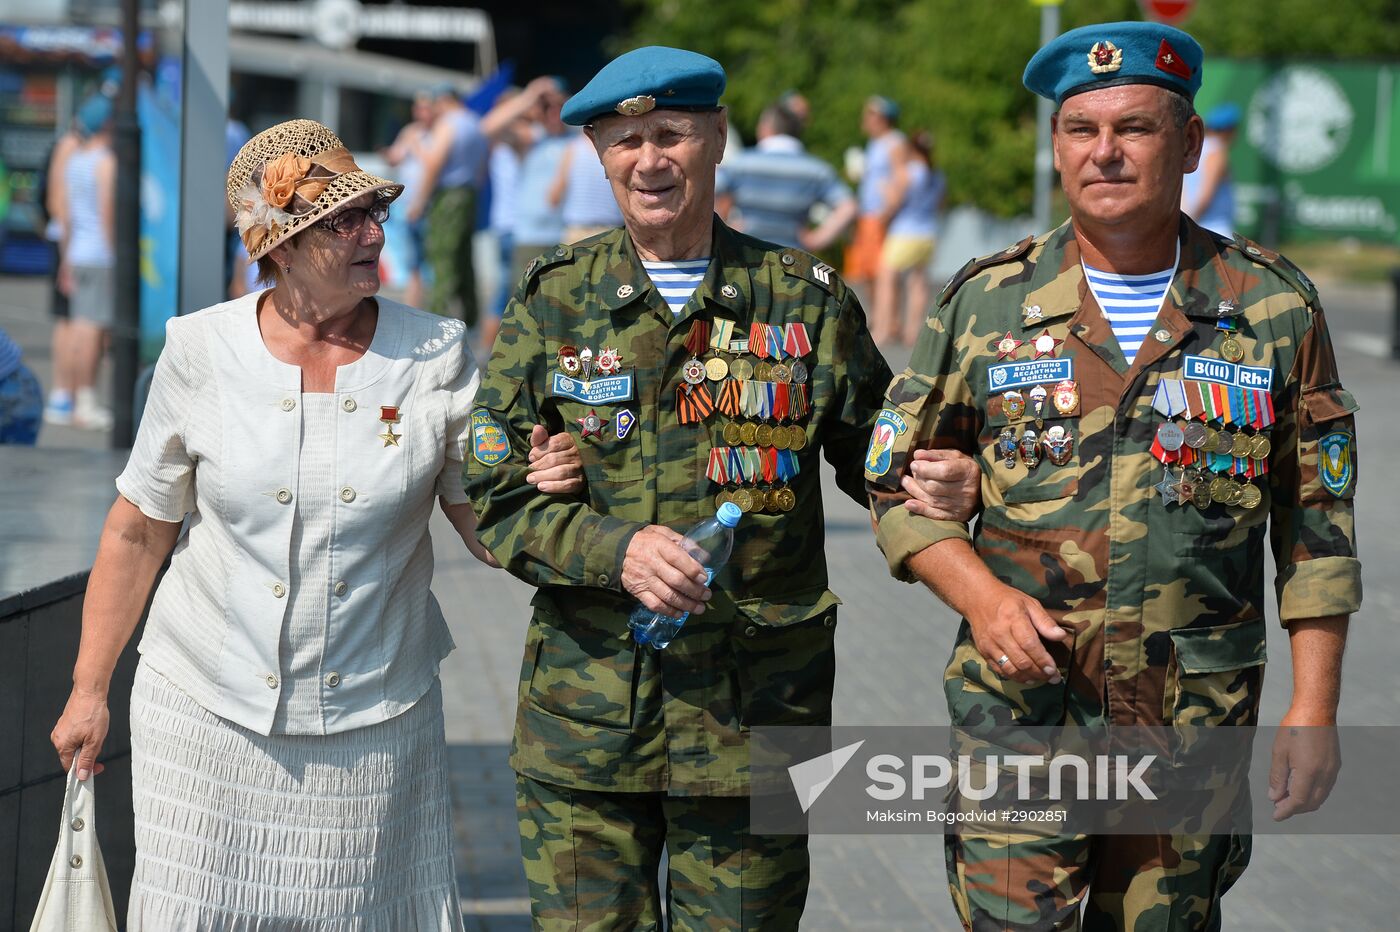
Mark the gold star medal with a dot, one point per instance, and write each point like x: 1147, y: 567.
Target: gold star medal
x: 389, y: 416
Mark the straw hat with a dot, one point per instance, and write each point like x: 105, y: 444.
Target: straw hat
x: 288, y: 177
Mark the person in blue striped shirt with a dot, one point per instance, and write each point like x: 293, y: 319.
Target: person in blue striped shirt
x: 771, y: 190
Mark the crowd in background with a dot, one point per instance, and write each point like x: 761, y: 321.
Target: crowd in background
x: 519, y: 173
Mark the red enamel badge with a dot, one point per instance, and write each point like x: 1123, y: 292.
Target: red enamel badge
x: 389, y: 414
x: 1169, y: 61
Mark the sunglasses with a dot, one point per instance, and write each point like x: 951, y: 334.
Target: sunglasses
x: 349, y: 221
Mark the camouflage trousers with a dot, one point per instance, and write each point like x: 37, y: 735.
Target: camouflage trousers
x: 448, y: 248
x: 592, y: 862
x: 1039, y: 881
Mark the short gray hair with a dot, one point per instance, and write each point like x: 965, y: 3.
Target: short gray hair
x: 1182, y: 109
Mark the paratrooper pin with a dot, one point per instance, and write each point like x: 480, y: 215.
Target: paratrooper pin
x: 1006, y: 447
x: 585, y: 363
x: 1059, y: 445
x: 1038, y: 395
x: 623, y: 423
x: 1030, y: 448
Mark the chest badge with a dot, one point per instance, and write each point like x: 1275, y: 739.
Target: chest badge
x: 609, y: 361
x: 1047, y: 345
x: 623, y: 423
x: 1066, y: 396
x: 591, y: 424
x: 1007, y: 346
x: 389, y: 416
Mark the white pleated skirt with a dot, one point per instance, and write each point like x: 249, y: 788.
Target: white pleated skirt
x: 242, y: 832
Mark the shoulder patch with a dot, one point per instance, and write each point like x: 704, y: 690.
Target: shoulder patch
x: 1014, y: 251
x: 490, y: 443
x: 803, y: 265
x: 1279, y: 265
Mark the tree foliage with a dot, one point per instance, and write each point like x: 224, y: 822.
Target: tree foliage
x: 955, y: 66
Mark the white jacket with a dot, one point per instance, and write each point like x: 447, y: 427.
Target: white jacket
x: 219, y: 440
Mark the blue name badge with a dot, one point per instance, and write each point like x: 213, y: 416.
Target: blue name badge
x: 1031, y: 372
x: 605, y: 391
x: 1222, y: 372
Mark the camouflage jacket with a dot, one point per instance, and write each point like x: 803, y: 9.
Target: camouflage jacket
x: 595, y: 711
x: 1157, y: 594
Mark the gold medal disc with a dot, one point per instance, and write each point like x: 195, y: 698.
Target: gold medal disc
x: 1250, y: 496
x: 1239, y: 446
x: 787, y: 499
x: 732, y: 434
x: 1200, y: 495
x: 781, y: 437
x: 1259, y: 447
x: 1220, y: 490
x: 748, y: 433
x: 797, y: 438
x: 1231, y: 349
x: 716, y: 369
x: 764, y: 435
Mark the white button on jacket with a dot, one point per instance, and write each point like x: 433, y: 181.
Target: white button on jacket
x: 219, y: 439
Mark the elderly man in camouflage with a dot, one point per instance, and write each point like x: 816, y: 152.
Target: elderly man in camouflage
x: 1145, y: 398
x: 693, y: 364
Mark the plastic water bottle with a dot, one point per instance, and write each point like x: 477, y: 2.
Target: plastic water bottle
x: 709, y: 542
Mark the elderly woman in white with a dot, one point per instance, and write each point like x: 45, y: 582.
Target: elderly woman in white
x: 287, y: 731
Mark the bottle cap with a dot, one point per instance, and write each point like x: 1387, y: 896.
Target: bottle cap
x: 729, y: 514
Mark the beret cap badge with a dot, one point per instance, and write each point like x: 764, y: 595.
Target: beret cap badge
x: 1105, y: 57
x: 636, y: 106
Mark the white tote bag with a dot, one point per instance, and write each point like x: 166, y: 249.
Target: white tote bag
x: 77, y: 896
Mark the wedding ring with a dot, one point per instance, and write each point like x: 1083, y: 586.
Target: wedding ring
x: 1003, y: 660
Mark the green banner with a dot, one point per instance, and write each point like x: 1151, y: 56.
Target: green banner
x: 1317, y: 154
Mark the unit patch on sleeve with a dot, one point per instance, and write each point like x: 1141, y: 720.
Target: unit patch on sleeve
x: 889, y: 425
x: 490, y: 445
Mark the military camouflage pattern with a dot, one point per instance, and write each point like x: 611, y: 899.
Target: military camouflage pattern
x: 591, y: 862
x: 1165, y: 602
x: 595, y: 712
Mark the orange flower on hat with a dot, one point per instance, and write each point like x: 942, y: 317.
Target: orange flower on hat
x: 280, y: 177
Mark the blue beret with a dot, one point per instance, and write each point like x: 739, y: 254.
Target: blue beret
x: 94, y: 114
x: 1223, y: 117
x: 651, y: 78
x: 1114, y: 54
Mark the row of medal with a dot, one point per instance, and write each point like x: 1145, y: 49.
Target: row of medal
x: 746, y: 388
x: 759, y: 458
x: 778, y: 436
x: 1216, y: 463
x: 771, y: 500
x: 1056, y: 444
x: 743, y: 466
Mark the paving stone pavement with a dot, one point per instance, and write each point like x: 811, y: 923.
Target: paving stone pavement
x: 892, y: 643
